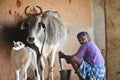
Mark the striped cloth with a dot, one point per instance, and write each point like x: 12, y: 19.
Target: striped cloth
x: 94, y: 71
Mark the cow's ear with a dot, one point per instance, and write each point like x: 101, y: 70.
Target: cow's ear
x: 24, y: 25
x: 43, y: 25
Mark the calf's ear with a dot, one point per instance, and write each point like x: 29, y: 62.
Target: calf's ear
x: 24, y: 25
x: 13, y: 43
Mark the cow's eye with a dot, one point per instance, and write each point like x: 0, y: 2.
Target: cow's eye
x: 39, y: 24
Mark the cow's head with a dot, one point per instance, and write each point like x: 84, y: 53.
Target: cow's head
x: 33, y: 24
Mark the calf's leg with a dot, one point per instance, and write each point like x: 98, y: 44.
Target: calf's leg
x: 17, y: 75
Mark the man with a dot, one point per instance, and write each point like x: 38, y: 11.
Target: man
x: 88, y: 61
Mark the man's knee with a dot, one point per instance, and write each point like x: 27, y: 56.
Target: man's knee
x: 73, y: 58
x: 76, y: 60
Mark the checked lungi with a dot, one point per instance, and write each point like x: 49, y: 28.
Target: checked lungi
x: 94, y: 71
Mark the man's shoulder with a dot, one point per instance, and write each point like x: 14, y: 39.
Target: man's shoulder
x: 89, y: 43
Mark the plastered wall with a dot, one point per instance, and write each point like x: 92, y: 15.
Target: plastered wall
x: 112, y: 8
x: 76, y: 16
x: 99, y: 24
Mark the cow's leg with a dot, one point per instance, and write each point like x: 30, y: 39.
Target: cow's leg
x: 41, y: 64
x: 42, y: 67
x: 48, y: 59
x: 17, y: 75
x: 51, y: 65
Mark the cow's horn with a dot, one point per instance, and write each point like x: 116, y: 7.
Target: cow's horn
x: 40, y: 10
x: 26, y: 10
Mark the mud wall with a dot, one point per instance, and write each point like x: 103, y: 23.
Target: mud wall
x: 112, y: 8
x: 99, y: 24
x: 76, y: 15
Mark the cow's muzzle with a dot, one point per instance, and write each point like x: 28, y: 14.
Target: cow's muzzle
x: 31, y: 39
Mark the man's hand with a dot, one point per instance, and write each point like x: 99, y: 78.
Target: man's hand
x: 61, y: 54
x: 66, y: 57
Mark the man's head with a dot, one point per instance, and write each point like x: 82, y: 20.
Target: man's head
x: 83, y: 37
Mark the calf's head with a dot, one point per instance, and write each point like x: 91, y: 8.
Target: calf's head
x: 18, y: 45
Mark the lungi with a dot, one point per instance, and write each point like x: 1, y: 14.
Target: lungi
x: 94, y: 71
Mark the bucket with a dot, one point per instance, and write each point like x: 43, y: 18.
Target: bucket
x: 65, y: 74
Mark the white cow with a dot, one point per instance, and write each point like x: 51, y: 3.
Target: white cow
x: 22, y: 57
x: 47, y: 31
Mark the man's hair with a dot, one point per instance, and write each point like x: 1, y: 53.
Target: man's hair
x: 83, y: 33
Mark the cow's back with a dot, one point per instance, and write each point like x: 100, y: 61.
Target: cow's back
x: 55, y: 30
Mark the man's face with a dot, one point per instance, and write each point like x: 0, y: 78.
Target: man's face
x: 83, y: 39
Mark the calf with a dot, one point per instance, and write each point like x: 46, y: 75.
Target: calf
x: 22, y: 57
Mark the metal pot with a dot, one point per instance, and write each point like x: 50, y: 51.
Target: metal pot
x: 65, y: 74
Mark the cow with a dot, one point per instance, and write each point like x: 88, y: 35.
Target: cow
x: 21, y: 58
x: 47, y: 31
